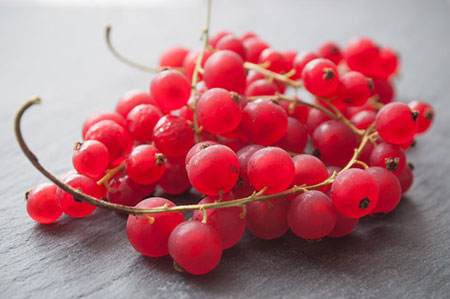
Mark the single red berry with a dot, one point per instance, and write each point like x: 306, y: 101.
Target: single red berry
x: 232, y: 43
x: 213, y: 169
x: 300, y: 61
x: 98, y: 117
x: 396, y: 123
x: 76, y: 208
x: 277, y: 61
x: 289, y: 55
x: 173, y: 57
x: 42, y: 205
x: 362, y: 120
x: 344, y: 226
x: 264, y: 122
x: 335, y: 142
x: 389, y: 156
x: 267, y: 219
x: 362, y: 55
x: 174, y: 179
x: 173, y: 136
x: 330, y: 51
x: 390, y: 190
x: 354, y: 193
x: 254, y: 48
x: 426, y: 115
x: 320, y: 77
x: 170, y: 89
x: 296, y: 137
x: 195, y: 247
x: 355, y: 89
x: 311, y: 215
x: 225, y: 69
x: 123, y: 190
x: 219, y: 111
x: 150, y: 236
x: 145, y: 164
x: 387, y: 63
x: 141, y: 120
x: 90, y: 158
x: 197, y: 148
x: 309, y: 171
x: 271, y: 167
x: 314, y: 119
x: 383, y: 90
x: 261, y: 87
x: 406, y: 178
x: 228, y: 222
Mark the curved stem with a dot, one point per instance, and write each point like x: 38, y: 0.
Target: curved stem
x: 269, y: 74
x: 139, y: 211
x: 128, y: 61
x: 198, y: 67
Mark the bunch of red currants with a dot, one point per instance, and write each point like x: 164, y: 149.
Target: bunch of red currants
x: 221, y: 120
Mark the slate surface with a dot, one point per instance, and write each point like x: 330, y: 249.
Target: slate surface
x: 59, y: 53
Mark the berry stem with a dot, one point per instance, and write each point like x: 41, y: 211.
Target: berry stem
x: 110, y: 173
x: 130, y: 62
x: 78, y: 195
x: 272, y: 75
x: 198, y: 68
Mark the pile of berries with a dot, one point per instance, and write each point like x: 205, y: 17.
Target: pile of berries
x: 220, y: 120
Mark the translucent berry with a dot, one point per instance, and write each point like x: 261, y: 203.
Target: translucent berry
x: 390, y: 190
x: 132, y: 99
x: 123, y: 190
x: 90, y: 158
x: 244, y: 154
x: 396, y: 123
x: 344, y: 226
x: 383, y: 90
x: 254, y: 48
x: 330, y: 51
x: 42, y: 205
x: 112, y: 135
x: 295, y: 138
x: 150, y: 236
x: 309, y: 171
x: 362, y: 55
x: 190, y: 61
x: 173, y: 136
x: 174, y: 179
x: 173, y: 57
x: 354, y: 193
x: 426, y: 115
x: 213, y: 170
x: 196, y: 148
x: 389, y: 156
x: 170, y: 89
x: 406, y: 178
x: 311, y: 215
x: 355, y: 89
x: 276, y: 60
x: 300, y: 61
x: 102, y: 115
x: 261, y: 87
x: 228, y: 222
x: 267, y: 219
x: 320, y: 77
x: 362, y: 120
x: 145, y: 164
x: 232, y: 43
x: 271, y: 167
x: 264, y: 122
x: 141, y: 120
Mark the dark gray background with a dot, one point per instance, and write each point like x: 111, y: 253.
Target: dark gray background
x: 59, y: 53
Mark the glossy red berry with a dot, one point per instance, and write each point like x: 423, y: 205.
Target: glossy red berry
x: 344, y: 226
x: 335, y: 142
x: 271, y: 167
x: 219, y: 111
x: 102, y: 115
x: 232, y: 43
x: 196, y: 148
x: 195, y: 246
x: 228, y: 222
x: 300, y: 61
x: 244, y: 154
x: 173, y: 57
x: 131, y: 99
x: 396, y: 123
x: 296, y: 137
x: 362, y: 120
x: 311, y: 215
x: 173, y: 136
x: 42, y: 205
x: 170, y: 89
x: 330, y: 51
x: 264, y: 122
x: 390, y: 189
x: 145, y: 164
x: 387, y: 63
x: 406, y: 178
x: 355, y: 89
x: 354, y: 193
x: 267, y: 219
x: 320, y: 77
x: 217, y: 36
x: 362, y: 55
x: 261, y: 87
x: 112, y: 135
x: 254, y: 48
x: 314, y: 119
x: 382, y: 90
x: 174, y: 179
x: 389, y: 156
x: 426, y: 115
x: 90, y: 158
x: 225, y: 69
x: 276, y: 60
x: 123, y: 190
x: 141, y: 120
x: 309, y: 171
x: 213, y: 169
x: 150, y: 237
x: 73, y: 207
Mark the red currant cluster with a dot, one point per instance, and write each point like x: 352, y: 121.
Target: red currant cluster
x: 219, y: 120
